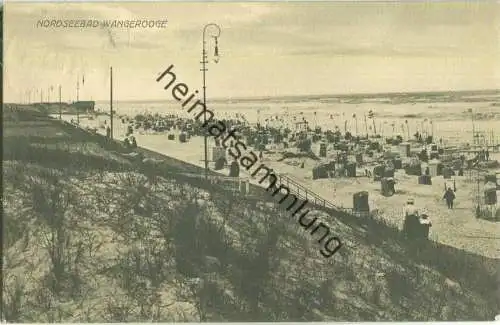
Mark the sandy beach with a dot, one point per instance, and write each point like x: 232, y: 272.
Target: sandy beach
x: 331, y: 114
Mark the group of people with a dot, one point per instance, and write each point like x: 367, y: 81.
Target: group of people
x: 417, y: 225
x: 129, y: 141
x: 483, y: 155
x: 449, y: 196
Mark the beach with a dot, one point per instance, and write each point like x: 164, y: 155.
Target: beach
x: 458, y: 227
x: 329, y: 113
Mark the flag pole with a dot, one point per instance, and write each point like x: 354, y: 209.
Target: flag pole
x: 60, y: 103
x: 111, y: 101
x: 77, y: 99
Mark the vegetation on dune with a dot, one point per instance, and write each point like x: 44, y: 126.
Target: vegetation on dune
x: 90, y: 236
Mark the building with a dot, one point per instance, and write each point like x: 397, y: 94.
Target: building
x: 84, y: 106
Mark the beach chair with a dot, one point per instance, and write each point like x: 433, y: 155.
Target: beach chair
x: 360, y: 202
x: 387, y: 186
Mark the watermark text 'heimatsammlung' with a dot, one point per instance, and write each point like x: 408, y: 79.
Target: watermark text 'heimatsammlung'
x: 248, y: 159
x: 94, y: 23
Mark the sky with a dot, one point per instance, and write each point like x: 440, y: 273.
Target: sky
x: 266, y: 48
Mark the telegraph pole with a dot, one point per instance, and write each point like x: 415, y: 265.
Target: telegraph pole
x: 77, y: 100
x: 60, y: 103
x: 473, y: 127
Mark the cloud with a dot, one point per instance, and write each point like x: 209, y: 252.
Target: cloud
x: 267, y: 40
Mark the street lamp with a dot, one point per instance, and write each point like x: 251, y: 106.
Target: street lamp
x: 204, y: 70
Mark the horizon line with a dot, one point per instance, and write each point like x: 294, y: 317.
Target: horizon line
x: 370, y: 95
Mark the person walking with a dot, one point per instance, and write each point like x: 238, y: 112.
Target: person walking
x: 449, y: 196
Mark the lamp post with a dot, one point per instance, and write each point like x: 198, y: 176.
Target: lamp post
x: 204, y: 70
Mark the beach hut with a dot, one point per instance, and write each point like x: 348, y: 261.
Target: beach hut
x: 388, y: 172
x: 316, y: 137
x: 251, y: 140
x: 457, y: 164
x: 488, y: 164
x: 434, y: 155
x: 320, y: 171
x: 322, y: 149
x: 398, y: 163
x: 304, y: 145
x: 244, y: 186
x: 433, y: 167
x: 448, y: 172
x: 171, y: 137
x: 342, y: 146
x: 218, y: 152
x: 404, y: 149
x: 490, y: 193
x: 378, y: 172
x: 432, y: 151
x: 387, y: 186
x: 219, y: 163
x: 234, y: 169
x: 425, y: 180
x: 389, y: 154
x: 350, y: 169
x: 360, y: 202
x: 373, y: 145
x: 490, y: 178
x: 359, y: 158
